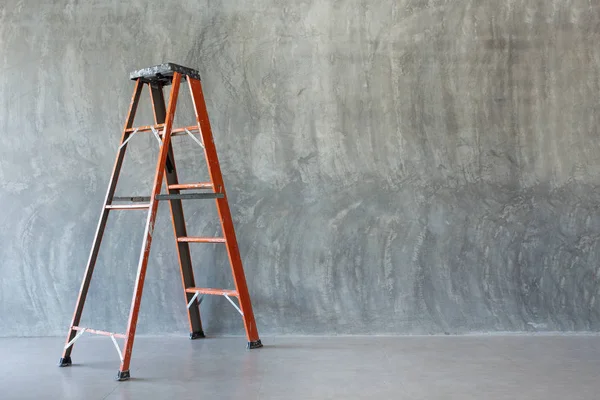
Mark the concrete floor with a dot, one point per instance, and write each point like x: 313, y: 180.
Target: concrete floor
x: 467, y: 367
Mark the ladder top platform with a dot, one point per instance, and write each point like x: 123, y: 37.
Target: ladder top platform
x: 163, y: 73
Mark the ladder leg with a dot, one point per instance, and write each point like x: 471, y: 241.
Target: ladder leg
x: 123, y: 373
x: 224, y: 213
x: 178, y: 220
x: 65, y: 360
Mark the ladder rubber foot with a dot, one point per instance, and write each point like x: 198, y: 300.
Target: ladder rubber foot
x: 123, y: 376
x: 254, y: 345
x: 64, y: 362
x: 197, y: 335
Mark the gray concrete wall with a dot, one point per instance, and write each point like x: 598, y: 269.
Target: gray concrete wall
x: 404, y: 166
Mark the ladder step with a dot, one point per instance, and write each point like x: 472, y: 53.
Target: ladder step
x: 191, y: 239
x: 189, y: 196
x: 146, y: 128
x: 181, y: 131
x: 97, y: 332
x: 160, y: 127
x: 140, y: 206
x: 186, y: 186
x: 219, y: 292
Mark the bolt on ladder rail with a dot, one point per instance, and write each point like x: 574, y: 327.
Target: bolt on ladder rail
x: 156, y: 78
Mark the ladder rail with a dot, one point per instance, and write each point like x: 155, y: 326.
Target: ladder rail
x: 178, y: 220
x: 91, y: 263
x: 149, y: 230
x: 216, y: 178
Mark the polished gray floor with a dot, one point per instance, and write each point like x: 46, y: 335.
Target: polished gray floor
x: 467, y: 367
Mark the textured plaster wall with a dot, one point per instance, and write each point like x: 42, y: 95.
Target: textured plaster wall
x: 405, y: 166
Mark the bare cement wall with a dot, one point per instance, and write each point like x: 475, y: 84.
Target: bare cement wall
x: 393, y: 167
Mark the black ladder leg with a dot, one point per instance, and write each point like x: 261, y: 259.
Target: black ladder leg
x: 65, y: 360
x: 178, y: 220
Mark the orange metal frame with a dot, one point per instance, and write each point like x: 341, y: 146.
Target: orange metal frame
x: 166, y: 168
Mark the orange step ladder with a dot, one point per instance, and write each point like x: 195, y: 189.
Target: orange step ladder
x: 156, y: 78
